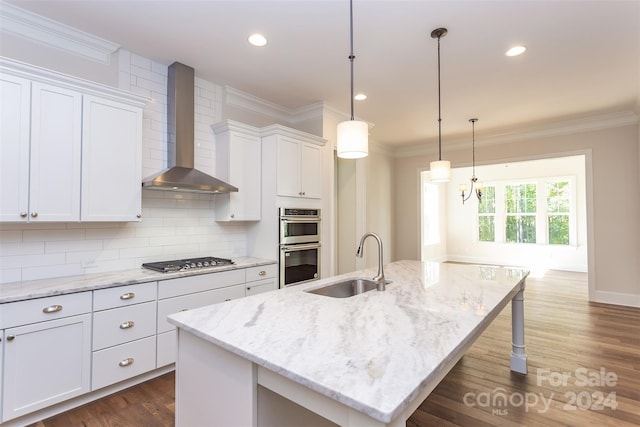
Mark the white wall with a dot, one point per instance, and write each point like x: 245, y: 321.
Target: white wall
x: 612, y: 194
x: 461, y: 230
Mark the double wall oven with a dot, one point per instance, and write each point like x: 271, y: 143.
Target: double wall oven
x: 299, y: 246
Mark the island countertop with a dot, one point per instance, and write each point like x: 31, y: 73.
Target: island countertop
x: 373, y: 352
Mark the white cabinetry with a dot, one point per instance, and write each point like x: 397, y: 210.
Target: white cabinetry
x: 40, y: 162
x: 47, y: 352
x: 124, y: 329
x: 111, y: 160
x: 299, y: 169
x: 261, y: 279
x: 187, y: 293
x: 238, y: 162
x: 70, y: 149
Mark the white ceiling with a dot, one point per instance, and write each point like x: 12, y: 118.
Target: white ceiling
x: 583, y: 57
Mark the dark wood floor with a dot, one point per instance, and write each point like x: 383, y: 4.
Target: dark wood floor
x: 595, y: 346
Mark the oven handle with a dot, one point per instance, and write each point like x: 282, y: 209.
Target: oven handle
x: 300, y: 219
x: 301, y: 247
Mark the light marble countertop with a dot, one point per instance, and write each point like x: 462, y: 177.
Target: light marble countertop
x: 373, y: 352
x: 17, y: 291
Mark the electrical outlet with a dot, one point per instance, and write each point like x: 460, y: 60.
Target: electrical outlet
x: 86, y: 263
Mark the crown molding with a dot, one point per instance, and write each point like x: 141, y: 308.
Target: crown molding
x: 43, y: 75
x: 45, y: 31
x: 568, y: 127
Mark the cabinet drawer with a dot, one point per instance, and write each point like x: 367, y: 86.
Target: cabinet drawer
x: 261, y: 272
x: 191, y: 301
x: 124, y: 324
x: 260, y: 286
x: 42, y: 309
x: 167, y: 348
x: 124, y: 295
x: 124, y: 361
x: 202, y: 282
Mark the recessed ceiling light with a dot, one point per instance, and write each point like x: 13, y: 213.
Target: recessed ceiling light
x: 257, y: 40
x: 515, y: 51
x: 360, y: 97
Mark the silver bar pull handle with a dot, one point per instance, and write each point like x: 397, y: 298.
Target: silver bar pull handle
x: 52, y: 309
x: 126, y: 325
x: 126, y: 362
x: 127, y: 296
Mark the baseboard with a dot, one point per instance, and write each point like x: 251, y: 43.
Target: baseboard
x: 616, y: 298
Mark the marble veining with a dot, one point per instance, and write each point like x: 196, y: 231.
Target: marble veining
x: 373, y: 352
x: 18, y: 291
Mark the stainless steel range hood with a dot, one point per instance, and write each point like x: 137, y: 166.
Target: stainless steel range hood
x: 181, y: 175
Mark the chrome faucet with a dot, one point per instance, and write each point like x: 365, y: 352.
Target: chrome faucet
x: 379, y: 278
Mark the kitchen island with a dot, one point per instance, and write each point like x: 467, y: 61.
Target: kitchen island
x: 366, y: 360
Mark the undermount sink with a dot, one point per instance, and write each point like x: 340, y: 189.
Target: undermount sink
x: 347, y: 288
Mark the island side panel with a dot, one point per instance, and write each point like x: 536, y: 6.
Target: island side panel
x: 213, y: 386
x: 518, y: 355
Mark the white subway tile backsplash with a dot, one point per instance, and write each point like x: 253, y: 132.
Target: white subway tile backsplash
x: 64, y: 234
x: 8, y: 275
x: 58, y: 246
x: 18, y: 248
x: 47, y: 271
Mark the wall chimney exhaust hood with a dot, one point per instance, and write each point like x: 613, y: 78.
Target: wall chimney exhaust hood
x: 181, y: 174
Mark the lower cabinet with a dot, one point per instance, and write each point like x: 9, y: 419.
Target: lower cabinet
x: 261, y: 279
x: 124, y: 333
x: 118, y: 363
x: 45, y: 362
x: 56, y: 348
x: 187, y: 293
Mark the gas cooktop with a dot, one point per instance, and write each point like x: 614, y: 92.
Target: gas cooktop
x: 187, y: 264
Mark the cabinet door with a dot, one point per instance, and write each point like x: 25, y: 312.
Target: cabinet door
x: 45, y: 363
x: 260, y: 286
x: 15, y: 110
x: 311, y: 171
x: 288, y: 168
x: 56, y: 138
x: 238, y: 161
x: 111, y: 161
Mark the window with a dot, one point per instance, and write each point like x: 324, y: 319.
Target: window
x: 558, y: 210
x: 538, y: 211
x: 487, y: 215
x: 520, y: 207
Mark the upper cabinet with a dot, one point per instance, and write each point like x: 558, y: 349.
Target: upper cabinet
x: 111, y: 160
x: 238, y: 162
x: 41, y: 148
x: 298, y: 162
x: 70, y: 149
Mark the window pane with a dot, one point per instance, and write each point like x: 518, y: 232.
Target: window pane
x: 520, y: 198
x: 558, y: 197
x: 521, y: 229
x: 558, y: 229
x: 486, y: 229
x: 488, y: 202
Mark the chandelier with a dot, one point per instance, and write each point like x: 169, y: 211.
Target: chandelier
x: 474, y: 180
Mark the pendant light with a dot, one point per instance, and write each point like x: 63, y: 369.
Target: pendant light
x: 441, y: 169
x: 474, y: 180
x: 353, y: 135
